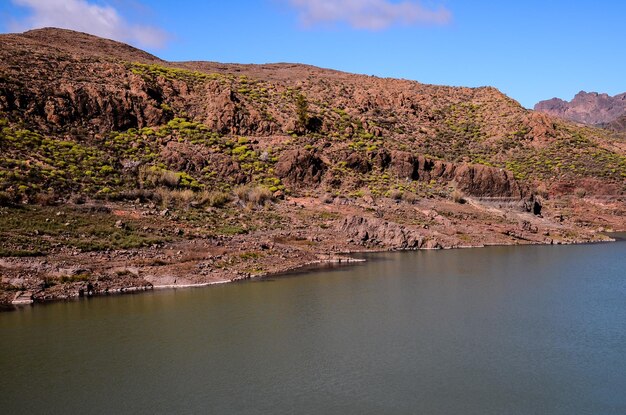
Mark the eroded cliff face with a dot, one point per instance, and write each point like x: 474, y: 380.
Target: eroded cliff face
x: 375, y: 231
x: 306, y: 168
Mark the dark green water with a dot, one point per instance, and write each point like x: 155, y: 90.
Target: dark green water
x: 503, y: 330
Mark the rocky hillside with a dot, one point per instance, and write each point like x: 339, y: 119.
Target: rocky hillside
x: 257, y: 168
x: 119, y: 111
x: 589, y: 108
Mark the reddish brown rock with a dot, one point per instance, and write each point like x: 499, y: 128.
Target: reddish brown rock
x: 473, y: 180
x: 300, y: 168
x: 373, y: 232
x: 484, y: 181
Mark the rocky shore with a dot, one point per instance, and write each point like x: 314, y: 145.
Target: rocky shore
x: 319, y: 232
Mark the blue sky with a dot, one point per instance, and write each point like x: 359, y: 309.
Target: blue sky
x: 530, y: 50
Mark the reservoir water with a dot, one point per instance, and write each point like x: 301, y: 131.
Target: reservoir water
x: 500, y: 330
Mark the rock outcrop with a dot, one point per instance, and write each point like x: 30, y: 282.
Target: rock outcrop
x: 485, y: 181
x: 472, y: 179
x: 300, y: 168
x: 378, y: 232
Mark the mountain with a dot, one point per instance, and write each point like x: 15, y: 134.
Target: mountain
x: 618, y: 124
x: 120, y: 170
x: 589, y: 108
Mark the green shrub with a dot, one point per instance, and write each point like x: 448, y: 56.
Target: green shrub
x: 74, y: 278
x: 106, y: 170
x: 302, y: 111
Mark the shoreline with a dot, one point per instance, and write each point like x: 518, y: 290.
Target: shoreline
x: 338, y: 259
x: 303, y: 233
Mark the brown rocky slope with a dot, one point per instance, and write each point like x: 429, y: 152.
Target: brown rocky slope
x: 121, y: 170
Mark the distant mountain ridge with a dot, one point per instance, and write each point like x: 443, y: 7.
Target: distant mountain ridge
x: 590, y: 108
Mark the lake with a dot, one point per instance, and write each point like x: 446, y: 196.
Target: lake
x: 498, y: 330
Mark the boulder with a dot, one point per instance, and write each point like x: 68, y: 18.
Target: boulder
x: 300, y: 168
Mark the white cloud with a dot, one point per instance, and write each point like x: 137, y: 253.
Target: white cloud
x: 85, y: 16
x: 368, y: 14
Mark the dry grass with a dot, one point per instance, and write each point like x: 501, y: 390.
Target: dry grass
x: 175, y: 198
x: 182, y: 198
x: 458, y: 196
x: 151, y: 176
x: 46, y: 199
x: 410, y: 197
x: 396, y: 194
x: 163, y: 195
x: 542, y: 191
x: 255, y: 196
x: 213, y: 198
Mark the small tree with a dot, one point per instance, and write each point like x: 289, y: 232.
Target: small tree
x: 302, y: 111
